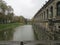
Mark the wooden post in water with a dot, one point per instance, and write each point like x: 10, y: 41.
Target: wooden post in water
x: 21, y: 43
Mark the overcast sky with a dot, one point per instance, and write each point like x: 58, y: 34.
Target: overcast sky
x: 26, y: 8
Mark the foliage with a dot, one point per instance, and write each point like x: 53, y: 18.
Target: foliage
x: 6, y: 12
x: 7, y: 15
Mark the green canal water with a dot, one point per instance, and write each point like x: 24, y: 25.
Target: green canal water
x: 21, y: 33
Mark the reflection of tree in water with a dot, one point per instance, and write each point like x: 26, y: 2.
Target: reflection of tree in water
x: 6, y: 34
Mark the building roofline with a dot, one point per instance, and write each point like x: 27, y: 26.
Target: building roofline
x: 47, y: 3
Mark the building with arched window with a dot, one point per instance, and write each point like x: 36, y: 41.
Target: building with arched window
x: 47, y: 21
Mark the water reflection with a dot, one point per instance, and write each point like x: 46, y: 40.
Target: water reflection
x: 6, y: 34
x: 24, y: 33
x: 21, y: 33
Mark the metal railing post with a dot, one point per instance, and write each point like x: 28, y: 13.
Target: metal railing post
x: 21, y: 43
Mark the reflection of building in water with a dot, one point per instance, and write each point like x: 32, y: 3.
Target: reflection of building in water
x: 47, y: 21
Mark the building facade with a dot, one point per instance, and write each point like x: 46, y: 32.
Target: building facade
x: 47, y: 21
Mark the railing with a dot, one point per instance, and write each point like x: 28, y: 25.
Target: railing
x: 29, y: 42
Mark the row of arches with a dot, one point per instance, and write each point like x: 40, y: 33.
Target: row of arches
x: 51, y: 10
x: 58, y: 8
x: 49, y: 13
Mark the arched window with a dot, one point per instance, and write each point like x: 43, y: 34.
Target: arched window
x: 44, y: 15
x: 47, y: 13
x: 58, y: 8
x: 51, y: 10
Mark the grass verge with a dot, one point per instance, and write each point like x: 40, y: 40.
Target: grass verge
x: 10, y: 25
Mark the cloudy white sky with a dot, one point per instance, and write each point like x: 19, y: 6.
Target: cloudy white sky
x: 26, y: 8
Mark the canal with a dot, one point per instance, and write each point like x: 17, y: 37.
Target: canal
x: 20, y: 33
x: 24, y: 33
